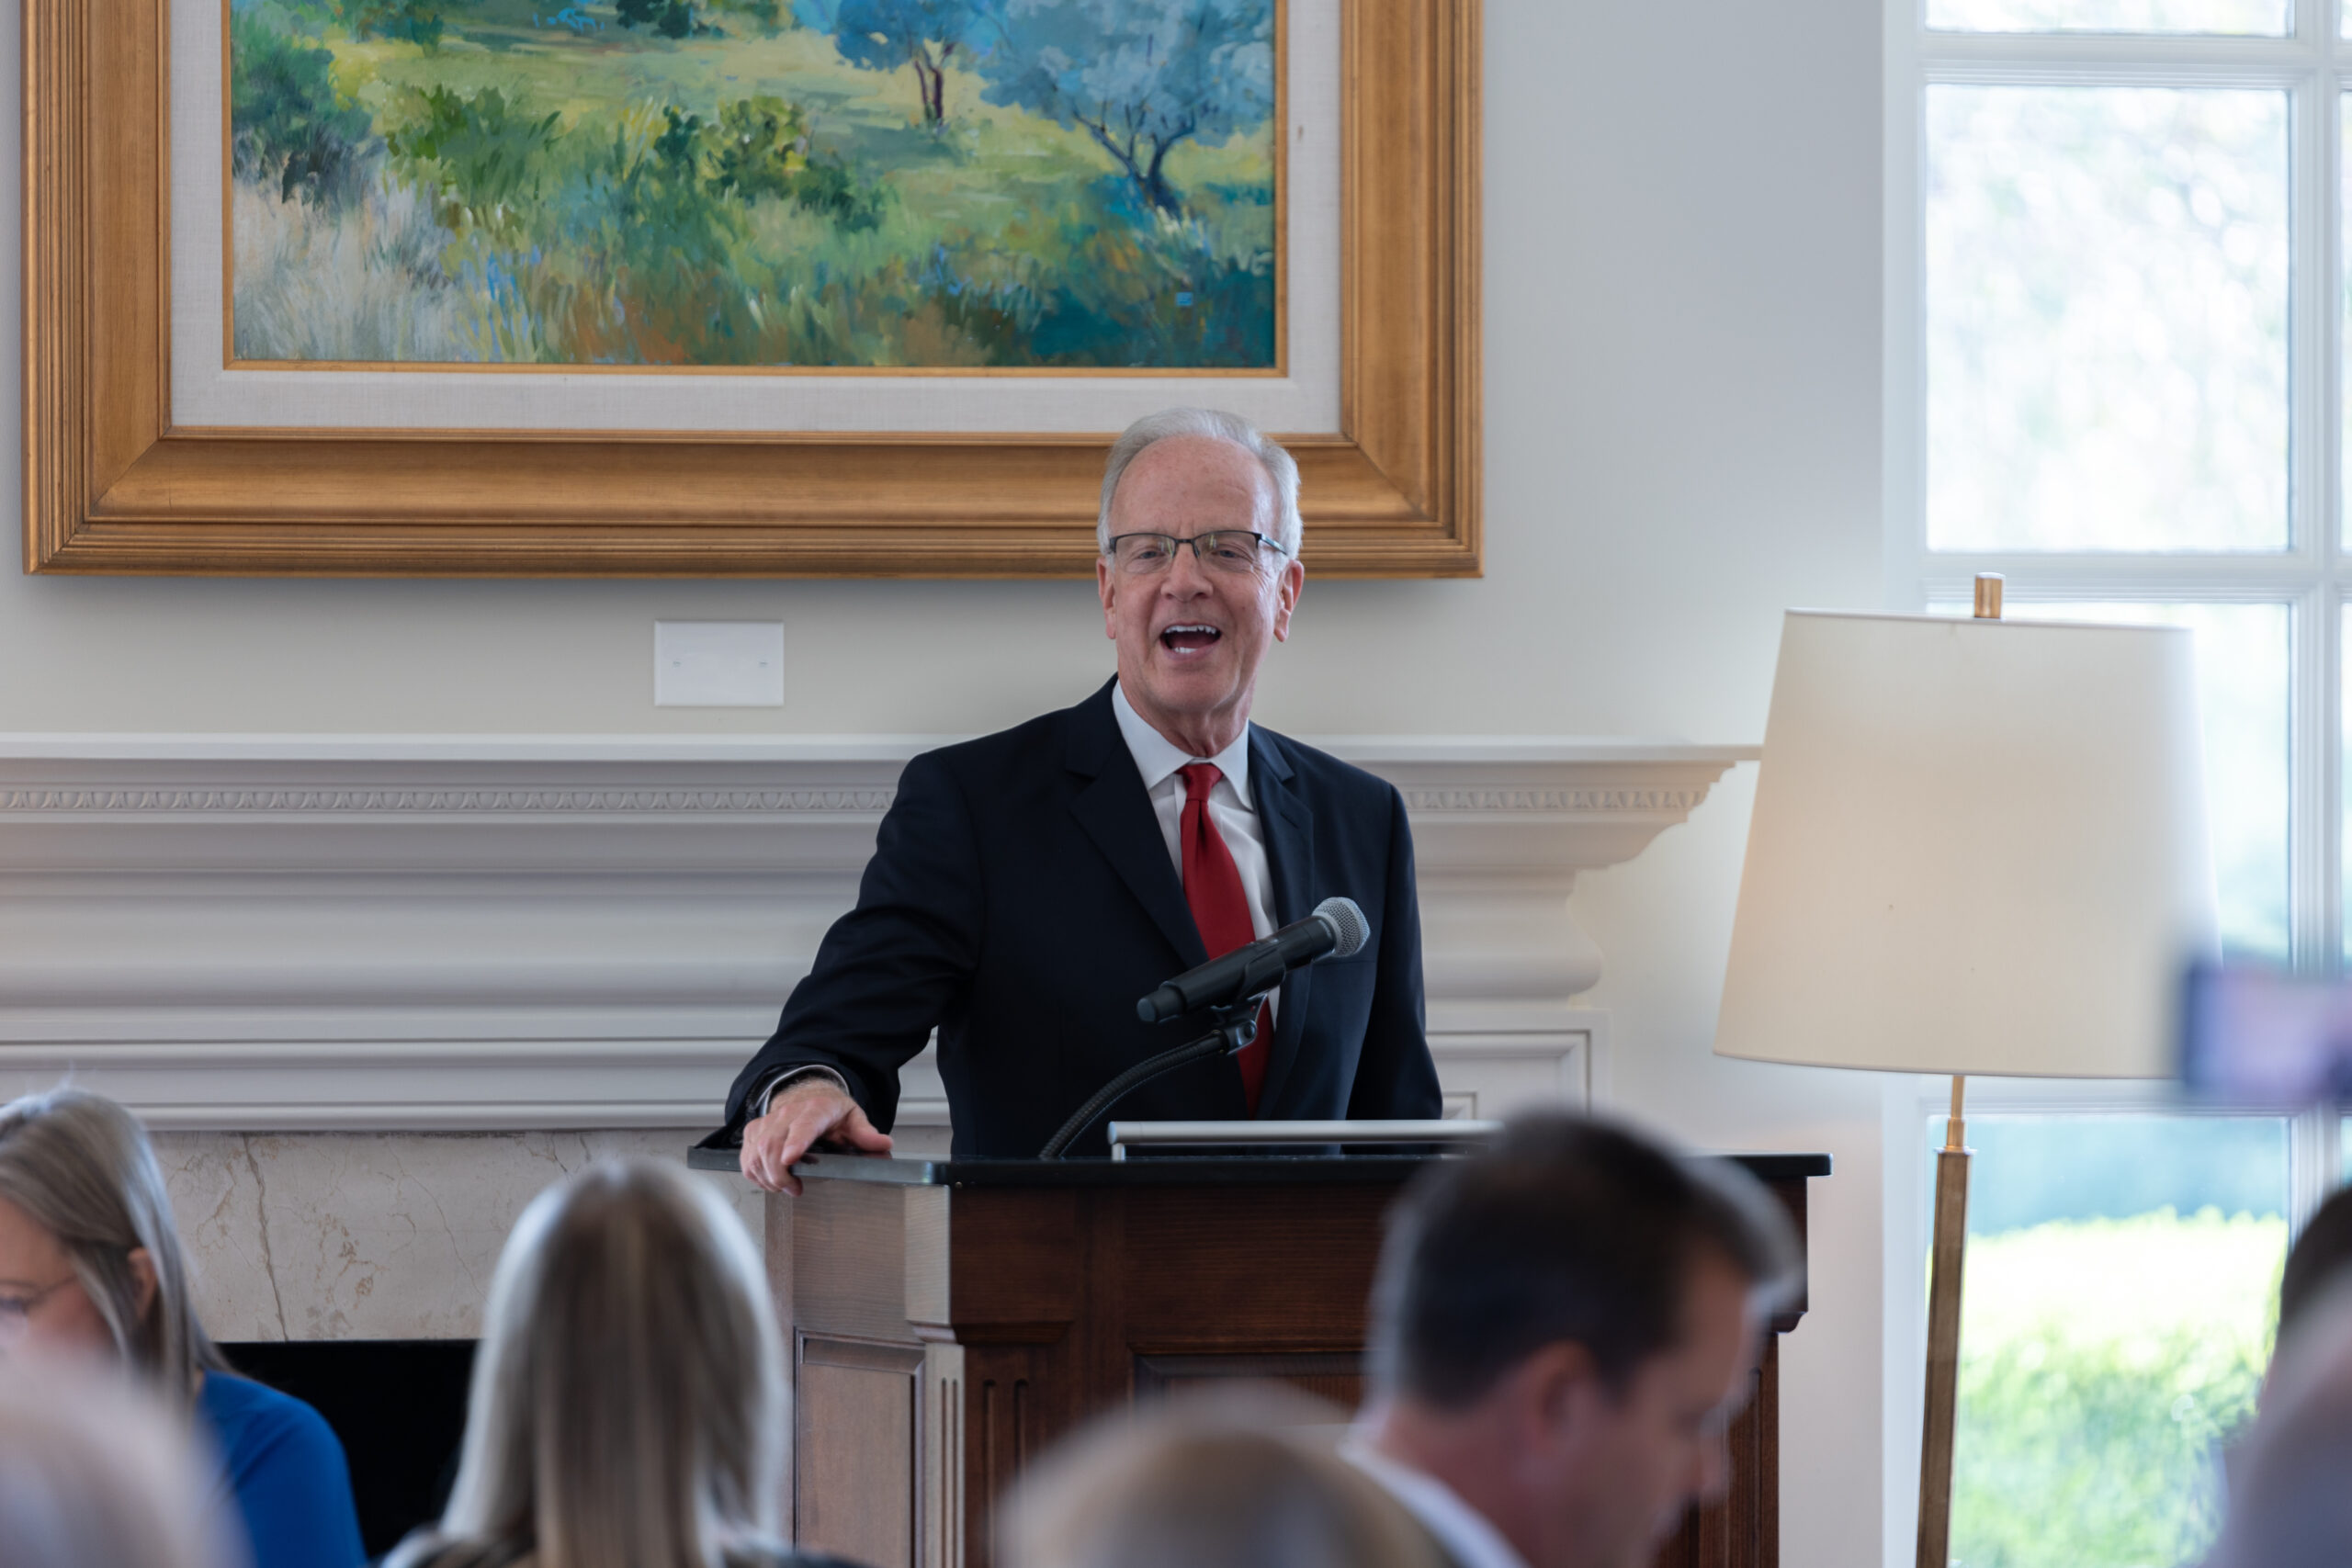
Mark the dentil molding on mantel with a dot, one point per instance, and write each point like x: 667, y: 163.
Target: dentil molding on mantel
x: 291, y: 931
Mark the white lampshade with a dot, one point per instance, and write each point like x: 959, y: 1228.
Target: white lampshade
x: 1979, y: 846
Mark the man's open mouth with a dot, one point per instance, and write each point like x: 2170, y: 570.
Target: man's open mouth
x: 1189, y: 637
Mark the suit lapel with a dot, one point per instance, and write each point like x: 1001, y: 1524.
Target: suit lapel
x: 1289, y: 826
x: 1116, y: 814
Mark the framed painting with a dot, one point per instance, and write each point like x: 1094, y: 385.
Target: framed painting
x: 734, y: 288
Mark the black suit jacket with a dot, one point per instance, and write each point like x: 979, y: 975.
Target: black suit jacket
x: 1021, y: 897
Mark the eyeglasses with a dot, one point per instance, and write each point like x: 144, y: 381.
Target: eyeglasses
x: 16, y: 1310
x: 1233, y: 550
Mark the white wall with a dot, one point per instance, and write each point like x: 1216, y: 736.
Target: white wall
x: 1694, y: 325
x: 1682, y: 373
x: 1681, y: 427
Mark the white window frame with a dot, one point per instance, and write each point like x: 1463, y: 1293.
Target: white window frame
x: 2313, y: 577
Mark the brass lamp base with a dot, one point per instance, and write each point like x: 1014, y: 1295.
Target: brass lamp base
x: 1943, y: 1340
x: 1943, y: 1279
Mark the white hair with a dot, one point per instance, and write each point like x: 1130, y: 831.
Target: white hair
x: 1233, y: 1480
x: 94, y: 1468
x: 1215, y: 424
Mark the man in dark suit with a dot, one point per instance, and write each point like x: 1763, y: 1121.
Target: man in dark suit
x: 1562, y: 1330
x: 1028, y: 887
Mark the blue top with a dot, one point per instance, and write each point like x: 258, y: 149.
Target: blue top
x: 286, y: 1468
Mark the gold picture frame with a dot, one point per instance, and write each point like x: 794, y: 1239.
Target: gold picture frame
x: 113, y: 486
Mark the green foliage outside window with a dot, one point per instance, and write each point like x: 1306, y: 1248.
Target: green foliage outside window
x: 2105, y: 1364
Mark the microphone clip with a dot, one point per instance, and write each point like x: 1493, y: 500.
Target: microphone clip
x: 1236, y: 1022
x: 1237, y: 1026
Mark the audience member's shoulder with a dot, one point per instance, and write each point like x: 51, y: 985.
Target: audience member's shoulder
x: 787, y: 1559
x: 250, y: 1417
x: 471, y: 1554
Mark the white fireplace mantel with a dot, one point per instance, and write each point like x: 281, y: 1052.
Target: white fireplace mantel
x: 455, y: 932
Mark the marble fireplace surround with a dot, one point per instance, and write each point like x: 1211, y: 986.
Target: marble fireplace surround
x: 373, y: 993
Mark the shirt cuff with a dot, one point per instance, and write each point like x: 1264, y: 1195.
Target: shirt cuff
x: 793, y: 1074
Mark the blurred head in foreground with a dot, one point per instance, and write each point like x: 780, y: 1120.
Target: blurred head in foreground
x: 1220, y: 1482
x: 90, y: 1260
x: 2317, y: 1261
x: 627, y: 1405
x: 2291, y: 1506
x: 94, y: 1472
x: 1563, y: 1329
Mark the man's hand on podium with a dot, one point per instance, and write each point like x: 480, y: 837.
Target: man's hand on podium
x: 801, y: 1116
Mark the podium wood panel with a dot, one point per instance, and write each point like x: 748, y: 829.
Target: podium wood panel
x: 944, y: 1334
x: 856, y: 1489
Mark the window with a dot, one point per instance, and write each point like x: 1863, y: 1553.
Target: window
x: 2121, y: 1291
x: 2115, y: 245
x: 2117, y: 297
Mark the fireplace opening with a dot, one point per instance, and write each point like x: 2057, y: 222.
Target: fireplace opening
x: 398, y: 1404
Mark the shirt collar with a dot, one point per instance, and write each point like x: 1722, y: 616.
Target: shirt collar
x: 1157, y: 757
x: 1461, y: 1530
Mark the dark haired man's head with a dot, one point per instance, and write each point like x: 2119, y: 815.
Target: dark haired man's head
x: 2317, y: 1260
x: 1563, y: 1326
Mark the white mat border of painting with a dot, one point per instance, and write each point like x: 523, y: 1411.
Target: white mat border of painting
x: 206, y: 393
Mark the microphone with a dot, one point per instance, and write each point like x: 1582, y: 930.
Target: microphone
x: 1335, y: 930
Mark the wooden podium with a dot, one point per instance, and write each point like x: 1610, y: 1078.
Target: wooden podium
x: 947, y: 1320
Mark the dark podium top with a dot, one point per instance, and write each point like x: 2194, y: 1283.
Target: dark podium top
x: 1166, y: 1170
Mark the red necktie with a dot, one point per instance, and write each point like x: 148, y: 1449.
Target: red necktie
x: 1220, y: 905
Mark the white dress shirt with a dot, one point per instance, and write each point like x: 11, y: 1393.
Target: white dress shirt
x: 1459, y: 1531
x: 1160, y: 761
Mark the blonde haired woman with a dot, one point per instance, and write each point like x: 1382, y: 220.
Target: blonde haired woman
x: 90, y: 1267
x: 628, y: 1405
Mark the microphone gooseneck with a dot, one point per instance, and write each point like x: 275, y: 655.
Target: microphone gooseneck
x: 1236, y: 1028
x: 1228, y: 988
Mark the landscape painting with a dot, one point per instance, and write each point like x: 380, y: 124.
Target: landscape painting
x: 853, y: 185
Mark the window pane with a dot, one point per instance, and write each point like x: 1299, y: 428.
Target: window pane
x: 2241, y: 654
x: 2110, y: 15
x: 2344, y: 738
x: 2119, y: 1296
x: 2107, y: 319
x: 2343, y: 176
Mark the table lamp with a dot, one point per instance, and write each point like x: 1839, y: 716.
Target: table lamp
x: 1979, y: 846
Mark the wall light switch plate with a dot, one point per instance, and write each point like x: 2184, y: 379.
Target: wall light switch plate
x: 717, y: 664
